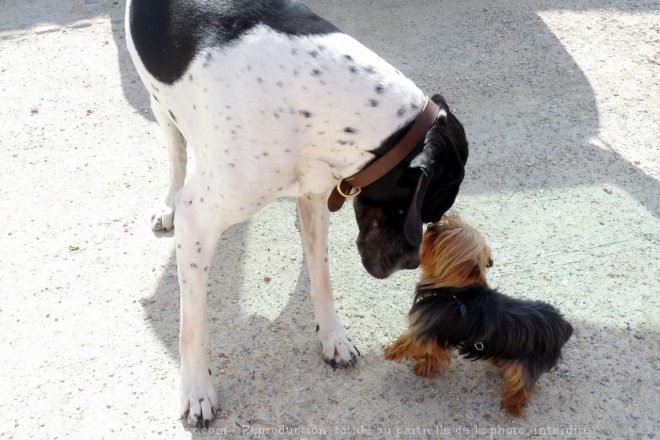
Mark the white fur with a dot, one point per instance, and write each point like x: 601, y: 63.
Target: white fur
x: 244, y: 110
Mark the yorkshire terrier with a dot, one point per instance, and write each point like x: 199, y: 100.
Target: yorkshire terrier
x: 454, y: 308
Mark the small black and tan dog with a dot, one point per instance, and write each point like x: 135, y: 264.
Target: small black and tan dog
x: 454, y: 308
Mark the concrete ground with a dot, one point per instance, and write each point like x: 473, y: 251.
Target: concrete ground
x: 561, y: 103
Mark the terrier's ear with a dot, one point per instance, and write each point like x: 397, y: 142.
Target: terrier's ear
x: 477, y: 274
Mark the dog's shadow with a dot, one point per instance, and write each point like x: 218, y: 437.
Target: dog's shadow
x: 266, y: 359
x: 529, y: 111
x: 264, y: 351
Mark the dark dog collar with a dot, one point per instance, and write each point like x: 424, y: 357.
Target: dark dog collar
x: 351, y: 186
x: 425, y: 293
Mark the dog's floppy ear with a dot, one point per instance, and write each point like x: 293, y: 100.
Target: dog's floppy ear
x: 442, y: 164
x: 412, y: 226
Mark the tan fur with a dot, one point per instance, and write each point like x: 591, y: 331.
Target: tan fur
x: 515, y: 391
x: 428, y: 358
x: 455, y: 254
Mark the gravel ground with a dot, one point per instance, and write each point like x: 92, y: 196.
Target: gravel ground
x: 560, y: 100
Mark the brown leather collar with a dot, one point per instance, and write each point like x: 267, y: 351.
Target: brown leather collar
x: 351, y: 186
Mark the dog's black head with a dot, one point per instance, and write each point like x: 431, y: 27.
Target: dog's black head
x: 391, y: 211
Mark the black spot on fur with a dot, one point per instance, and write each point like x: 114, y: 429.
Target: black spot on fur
x: 193, y: 266
x: 353, y: 69
x: 373, y: 103
x: 348, y: 57
x: 316, y: 72
x: 172, y: 115
x: 305, y: 113
x: 401, y: 112
x: 313, y: 53
x: 190, y: 77
x: 350, y: 130
x: 379, y: 89
x: 155, y: 97
x: 259, y: 80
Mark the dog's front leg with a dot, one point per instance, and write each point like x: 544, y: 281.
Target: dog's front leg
x: 338, y: 349
x: 195, y: 243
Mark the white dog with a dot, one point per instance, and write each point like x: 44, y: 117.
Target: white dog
x: 278, y: 102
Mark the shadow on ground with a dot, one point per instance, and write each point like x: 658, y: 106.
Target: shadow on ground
x: 528, y: 109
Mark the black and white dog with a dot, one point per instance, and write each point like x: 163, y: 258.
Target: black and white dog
x: 278, y: 102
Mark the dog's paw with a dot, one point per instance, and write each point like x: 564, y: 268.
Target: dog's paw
x: 337, y: 346
x: 199, y: 401
x: 162, y: 218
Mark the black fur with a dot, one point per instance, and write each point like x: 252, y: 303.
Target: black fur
x: 391, y: 211
x: 531, y: 332
x: 168, y: 34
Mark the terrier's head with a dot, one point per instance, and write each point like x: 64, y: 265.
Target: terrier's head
x: 454, y: 254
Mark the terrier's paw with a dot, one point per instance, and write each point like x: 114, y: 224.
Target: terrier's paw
x: 428, y: 358
x: 199, y: 402
x: 162, y: 218
x: 337, y: 347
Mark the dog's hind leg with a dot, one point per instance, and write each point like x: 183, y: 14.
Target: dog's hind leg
x: 517, y: 388
x: 338, y: 349
x: 162, y: 217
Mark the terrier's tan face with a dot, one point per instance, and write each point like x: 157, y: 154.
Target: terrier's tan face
x: 454, y: 254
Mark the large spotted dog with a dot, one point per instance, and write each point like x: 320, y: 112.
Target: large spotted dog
x: 278, y: 102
